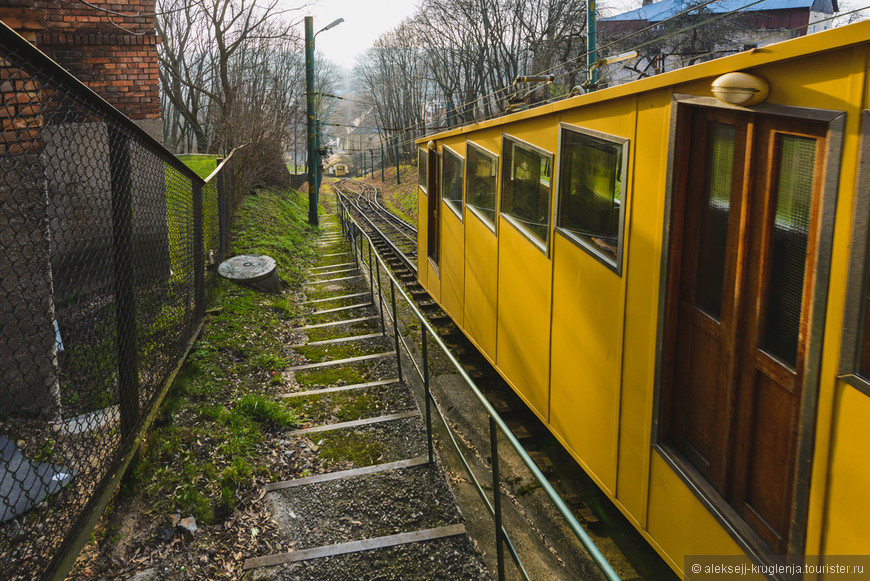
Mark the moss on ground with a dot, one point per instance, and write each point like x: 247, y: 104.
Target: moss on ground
x: 338, y: 331
x: 345, y: 350
x: 359, y: 448
x: 327, y: 376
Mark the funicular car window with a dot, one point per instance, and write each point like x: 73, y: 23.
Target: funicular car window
x: 525, y: 192
x: 481, y: 181
x: 592, y: 192
x: 422, y: 169
x: 451, y: 180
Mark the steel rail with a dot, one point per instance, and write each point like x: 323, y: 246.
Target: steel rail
x: 400, y: 254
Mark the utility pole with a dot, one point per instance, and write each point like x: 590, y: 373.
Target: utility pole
x: 313, y: 162
x: 382, y: 160
x: 591, y: 46
x: 313, y: 131
x: 398, y: 179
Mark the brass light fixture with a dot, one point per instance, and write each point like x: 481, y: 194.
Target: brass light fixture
x: 740, y: 89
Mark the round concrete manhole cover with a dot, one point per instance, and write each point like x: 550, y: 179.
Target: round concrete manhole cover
x: 255, y: 269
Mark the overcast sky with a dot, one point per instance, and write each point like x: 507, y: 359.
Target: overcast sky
x: 364, y: 21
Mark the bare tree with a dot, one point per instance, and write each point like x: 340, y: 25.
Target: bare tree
x: 201, y: 38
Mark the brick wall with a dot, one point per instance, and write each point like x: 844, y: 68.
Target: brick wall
x: 118, y: 61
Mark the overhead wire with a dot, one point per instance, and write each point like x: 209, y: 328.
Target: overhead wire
x: 670, y: 34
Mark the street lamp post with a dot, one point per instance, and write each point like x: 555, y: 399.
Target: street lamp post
x: 313, y: 155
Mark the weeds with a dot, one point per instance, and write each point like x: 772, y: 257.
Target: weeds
x: 205, y: 454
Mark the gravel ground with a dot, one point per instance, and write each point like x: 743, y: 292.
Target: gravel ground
x: 453, y: 558
x: 371, y: 506
x: 387, y: 503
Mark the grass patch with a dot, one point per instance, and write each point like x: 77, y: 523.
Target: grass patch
x: 265, y: 411
x: 205, y: 454
x: 203, y: 165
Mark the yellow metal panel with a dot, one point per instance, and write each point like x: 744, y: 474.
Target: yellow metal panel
x: 523, y: 354
x: 586, y: 356
x: 481, y: 280
x: 452, y: 263
x: 847, y: 530
x: 678, y: 521
x: 642, y: 272
x: 433, y: 281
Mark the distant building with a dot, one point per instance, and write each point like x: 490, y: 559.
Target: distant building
x: 738, y: 25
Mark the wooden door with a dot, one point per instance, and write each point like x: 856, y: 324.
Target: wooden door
x: 743, y: 292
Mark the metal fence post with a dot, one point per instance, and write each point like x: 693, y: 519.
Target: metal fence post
x: 427, y: 395
x: 496, y: 497
x: 222, y: 211
x: 125, y: 283
x: 198, y: 254
x: 371, y: 278
x: 353, y: 247
x: 396, y: 327
x: 380, y: 296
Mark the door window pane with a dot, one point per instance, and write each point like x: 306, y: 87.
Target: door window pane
x: 714, y: 218
x: 526, y: 188
x: 422, y: 167
x: 788, y: 253
x: 480, y: 181
x: 591, y: 191
x: 451, y: 168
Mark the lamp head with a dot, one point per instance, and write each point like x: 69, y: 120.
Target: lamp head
x: 740, y: 89
x: 335, y: 22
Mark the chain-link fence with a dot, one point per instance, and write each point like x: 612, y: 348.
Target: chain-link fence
x: 107, y: 245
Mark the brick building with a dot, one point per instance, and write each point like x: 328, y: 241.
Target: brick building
x: 118, y: 61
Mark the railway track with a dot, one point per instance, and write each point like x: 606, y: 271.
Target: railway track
x: 397, y: 241
x: 392, y: 236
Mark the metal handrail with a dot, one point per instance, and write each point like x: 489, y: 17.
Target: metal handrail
x: 496, y: 422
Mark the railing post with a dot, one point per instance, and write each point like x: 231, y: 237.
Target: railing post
x: 396, y: 327
x: 198, y: 257
x: 222, y: 211
x: 496, y: 497
x: 427, y: 395
x: 125, y: 283
x: 380, y: 297
x: 354, y: 248
x: 371, y: 278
